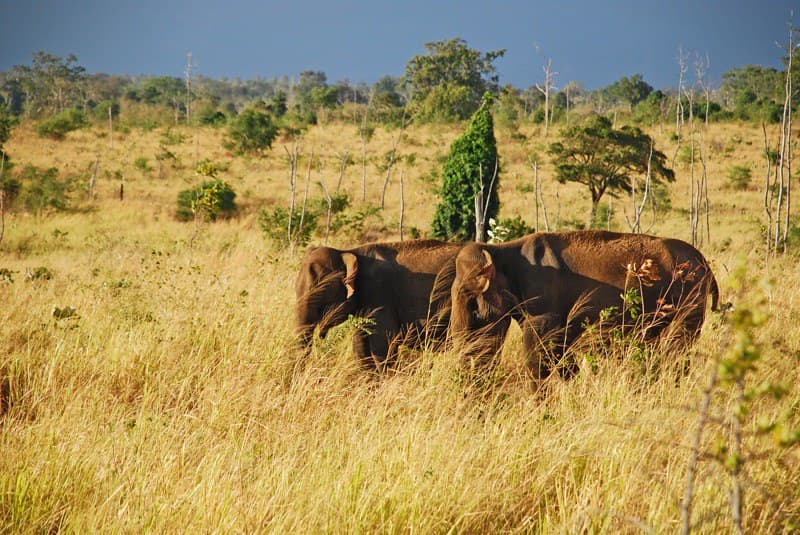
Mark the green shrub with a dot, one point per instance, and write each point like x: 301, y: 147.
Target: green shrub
x: 57, y: 126
x: 100, y: 110
x: 251, y: 132
x: 40, y: 190
x: 275, y: 225
x: 210, y: 200
x: 142, y: 165
x: 739, y: 177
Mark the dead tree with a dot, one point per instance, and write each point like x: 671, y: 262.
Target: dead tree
x: 767, y: 191
x: 2, y: 196
x: 538, y: 197
x: 679, y: 111
x: 94, y: 177
x: 635, y: 224
x: 785, y: 154
x: 701, y: 66
x: 546, y: 89
x: 110, y: 127
x: 305, y: 202
x: 292, y: 185
x: 482, y: 205
x: 344, y: 161
x: 402, y: 205
x: 392, y: 155
x: 365, y: 133
x: 330, y: 207
x: 188, y: 75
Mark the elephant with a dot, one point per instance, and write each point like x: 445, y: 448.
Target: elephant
x: 403, y: 287
x: 559, y: 282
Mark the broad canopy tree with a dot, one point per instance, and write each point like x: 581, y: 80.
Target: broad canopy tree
x: 451, y: 76
x: 607, y: 160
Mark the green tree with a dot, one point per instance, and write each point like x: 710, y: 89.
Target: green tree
x: 605, y: 159
x: 630, y: 91
x: 251, y: 132
x: 471, y: 166
x: 51, y: 84
x: 455, y: 74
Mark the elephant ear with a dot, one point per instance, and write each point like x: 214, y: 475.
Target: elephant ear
x: 486, y: 273
x: 351, y: 266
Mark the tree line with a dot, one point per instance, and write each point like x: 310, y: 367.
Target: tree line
x: 445, y: 84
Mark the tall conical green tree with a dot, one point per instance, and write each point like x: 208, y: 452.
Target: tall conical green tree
x: 472, y: 161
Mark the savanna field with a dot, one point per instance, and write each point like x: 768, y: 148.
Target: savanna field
x: 147, y: 365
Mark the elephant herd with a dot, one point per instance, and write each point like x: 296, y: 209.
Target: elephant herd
x: 553, y: 285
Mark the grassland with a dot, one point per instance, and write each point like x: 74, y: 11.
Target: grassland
x: 167, y: 402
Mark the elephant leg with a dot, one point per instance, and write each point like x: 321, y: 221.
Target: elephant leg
x: 379, y: 339
x: 541, y: 340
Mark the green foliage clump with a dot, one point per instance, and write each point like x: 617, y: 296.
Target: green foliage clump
x: 100, y: 110
x: 210, y: 200
x: 37, y: 190
x: 739, y: 177
x: 448, y: 82
x: 275, y: 224
x: 142, y: 164
x: 251, y: 132
x: 57, y: 126
x: 471, y: 166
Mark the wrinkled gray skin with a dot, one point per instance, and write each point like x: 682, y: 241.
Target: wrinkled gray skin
x: 390, y: 283
x: 551, y: 283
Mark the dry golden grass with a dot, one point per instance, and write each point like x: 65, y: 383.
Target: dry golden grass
x: 169, y: 404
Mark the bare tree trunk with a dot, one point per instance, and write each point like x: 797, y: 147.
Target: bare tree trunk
x: 330, y: 210
x: 679, y: 106
x: 305, y: 201
x: 2, y: 196
x: 479, y: 223
x: 402, y: 205
x: 535, y: 167
x: 786, y: 133
x: 546, y: 89
x: 767, y: 200
x: 691, y: 472
x: 737, y: 498
x: 636, y: 225
x: 395, y: 142
x: 292, y: 186
x: 110, y: 127
x: 365, y: 135
x: 343, y: 161
x: 188, y: 73
x: 94, y: 177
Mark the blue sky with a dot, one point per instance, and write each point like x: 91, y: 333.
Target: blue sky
x: 593, y: 42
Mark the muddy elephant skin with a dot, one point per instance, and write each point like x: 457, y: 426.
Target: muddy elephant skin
x: 395, y: 285
x: 557, y: 282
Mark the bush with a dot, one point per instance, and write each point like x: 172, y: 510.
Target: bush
x: 251, y: 132
x: 739, y: 177
x: 211, y: 199
x: 100, y: 110
x: 275, y: 225
x: 39, y: 189
x: 142, y: 165
x: 57, y: 126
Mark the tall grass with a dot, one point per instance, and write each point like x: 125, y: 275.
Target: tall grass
x: 170, y: 401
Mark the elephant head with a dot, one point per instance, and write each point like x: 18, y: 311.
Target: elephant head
x: 325, y: 290
x: 481, y: 302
